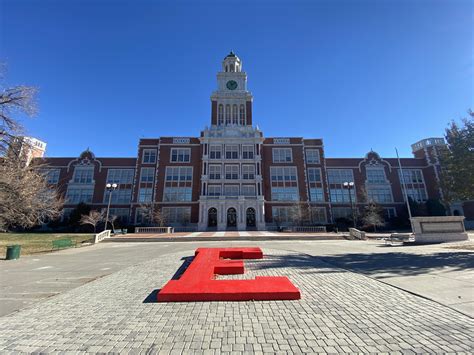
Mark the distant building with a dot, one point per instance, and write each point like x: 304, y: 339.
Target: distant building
x: 28, y: 148
x: 232, y: 177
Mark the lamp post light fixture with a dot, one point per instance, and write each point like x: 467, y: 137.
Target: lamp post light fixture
x: 110, y: 188
x: 349, y: 186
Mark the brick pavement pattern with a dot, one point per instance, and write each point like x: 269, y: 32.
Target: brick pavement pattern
x: 340, y: 312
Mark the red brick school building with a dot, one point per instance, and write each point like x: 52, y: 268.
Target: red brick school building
x: 233, y: 177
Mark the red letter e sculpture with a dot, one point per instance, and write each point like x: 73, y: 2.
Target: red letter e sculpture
x: 198, y: 282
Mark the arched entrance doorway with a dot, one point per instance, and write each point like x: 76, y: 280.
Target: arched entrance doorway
x: 250, y: 217
x: 212, y: 217
x: 231, y: 217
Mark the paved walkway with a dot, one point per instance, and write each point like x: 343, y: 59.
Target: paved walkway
x: 340, y: 311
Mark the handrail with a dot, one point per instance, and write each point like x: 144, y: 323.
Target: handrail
x: 154, y: 230
x: 309, y: 229
x: 101, y: 236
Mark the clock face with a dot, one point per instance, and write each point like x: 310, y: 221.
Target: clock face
x: 231, y: 85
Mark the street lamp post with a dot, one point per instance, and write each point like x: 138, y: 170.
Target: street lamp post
x: 110, y: 188
x: 349, y: 186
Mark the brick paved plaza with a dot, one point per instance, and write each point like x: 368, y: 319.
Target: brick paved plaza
x: 340, y: 311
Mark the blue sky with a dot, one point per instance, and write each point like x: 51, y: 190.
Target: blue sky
x: 359, y: 74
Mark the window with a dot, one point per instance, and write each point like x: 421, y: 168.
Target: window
x: 178, y: 183
x: 314, y: 175
x: 389, y: 213
x: 341, y: 195
x: 215, y: 151
x: 285, y: 194
x: 227, y: 114
x: 83, y: 175
x: 123, y: 214
x: 416, y: 194
x: 336, y: 179
x: 316, y: 194
x: 51, y: 175
x: 214, y: 190
x: 119, y: 196
x: 376, y: 176
x: 248, y: 172
x: 248, y: 190
x: 143, y: 216
x: 231, y: 190
x: 179, y: 194
x: 379, y: 194
x: 215, y: 172
x: 232, y: 172
x: 282, y: 155
x: 285, y: 214
x: 120, y: 176
x: 181, y: 215
x: 179, y: 174
x: 232, y: 152
x: 221, y: 115
x: 145, y: 194
x: 180, y: 155
x: 412, y: 176
x: 312, y: 156
x: 76, y: 195
x: 147, y: 174
x: 242, y: 115
x: 341, y: 212
x: 283, y: 174
x: 149, y: 156
x: 235, y: 114
x: 339, y: 176
x: 318, y: 215
x: 247, y: 152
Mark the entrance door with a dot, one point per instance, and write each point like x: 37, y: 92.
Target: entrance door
x: 231, y: 217
x: 250, y: 217
x: 212, y: 217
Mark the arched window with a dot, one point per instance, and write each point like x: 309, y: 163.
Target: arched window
x: 232, y: 67
x: 226, y: 68
x: 221, y: 115
x: 227, y: 114
x: 237, y: 68
x: 242, y: 115
x: 235, y: 114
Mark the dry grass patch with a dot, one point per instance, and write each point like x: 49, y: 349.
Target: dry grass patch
x: 38, y: 242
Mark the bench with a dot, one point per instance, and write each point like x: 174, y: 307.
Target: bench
x: 399, y: 238
x: 63, y: 243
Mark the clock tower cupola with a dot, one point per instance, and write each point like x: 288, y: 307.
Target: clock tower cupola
x: 231, y: 102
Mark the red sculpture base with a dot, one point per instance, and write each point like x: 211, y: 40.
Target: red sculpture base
x: 198, y: 282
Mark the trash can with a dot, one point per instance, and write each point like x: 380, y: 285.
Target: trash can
x: 13, y: 252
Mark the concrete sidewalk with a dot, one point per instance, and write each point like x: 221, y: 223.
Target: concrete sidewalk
x: 432, y: 271
x: 339, y: 312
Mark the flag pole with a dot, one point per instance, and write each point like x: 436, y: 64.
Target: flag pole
x: 404, y: 188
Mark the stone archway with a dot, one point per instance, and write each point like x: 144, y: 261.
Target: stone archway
x: 231, y: 217
x: 212, y: 217
x: 250, y: 217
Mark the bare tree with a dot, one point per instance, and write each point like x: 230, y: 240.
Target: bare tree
x: 26, y: 199
x: 159, y: 217
x: 373, y: 216
x: 14, y: 100
x: 93, y: 218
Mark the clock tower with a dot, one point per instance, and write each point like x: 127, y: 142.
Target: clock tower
x: 231, y: 102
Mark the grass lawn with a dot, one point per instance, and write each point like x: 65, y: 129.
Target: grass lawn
x: 37, y: 242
